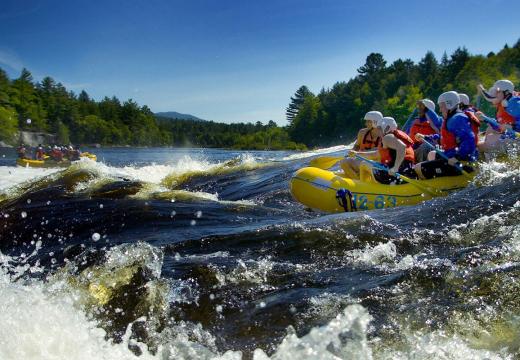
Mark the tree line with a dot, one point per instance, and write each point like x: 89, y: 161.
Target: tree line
x: 335, y: 115
x: 47, y: 106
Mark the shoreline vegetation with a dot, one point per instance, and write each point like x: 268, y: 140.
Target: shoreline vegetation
x: 331, y: 117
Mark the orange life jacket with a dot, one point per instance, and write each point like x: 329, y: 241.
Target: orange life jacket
x: 503, y: 117
x: 419, y: 127
x: 388, y: 155
x: 367, y: 144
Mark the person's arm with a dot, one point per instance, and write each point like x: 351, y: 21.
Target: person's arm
x: 434, y: 119
x: 408, y: 124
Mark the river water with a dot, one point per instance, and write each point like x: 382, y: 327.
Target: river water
x: 202, y: 254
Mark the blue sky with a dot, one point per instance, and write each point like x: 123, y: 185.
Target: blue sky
x: 234, y: 61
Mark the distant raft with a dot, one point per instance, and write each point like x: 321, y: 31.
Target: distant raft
x: 332, y: 192
x: 47, y: 163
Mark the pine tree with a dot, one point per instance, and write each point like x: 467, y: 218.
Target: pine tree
x: 375, y: 63
x: 296, y: 102
x: 4, y: 89
x: 31, y: 114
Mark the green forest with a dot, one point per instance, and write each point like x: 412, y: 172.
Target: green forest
x: 334, y: 115
x: 48, y: 107
x: 331, y: 117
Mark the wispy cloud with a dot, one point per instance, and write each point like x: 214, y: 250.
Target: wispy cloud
x: 78, y: 86
x: 11, y: 60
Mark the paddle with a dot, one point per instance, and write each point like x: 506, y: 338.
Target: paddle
x: 445, y: 157
x: 416, y: 183
x: 325, y: 162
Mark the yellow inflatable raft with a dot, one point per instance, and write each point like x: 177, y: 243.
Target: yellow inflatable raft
x: 331, y: 192
x: 51, y: 163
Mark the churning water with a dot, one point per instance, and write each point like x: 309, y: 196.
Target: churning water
x: 202, y: 254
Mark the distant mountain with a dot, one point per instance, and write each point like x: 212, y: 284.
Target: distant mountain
x: 176, y: 115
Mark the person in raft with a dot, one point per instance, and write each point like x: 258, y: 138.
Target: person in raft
x: 395, y: 152
x: 368, y: 138
x: 427, y: 122
x: 458, y: 141
x: 40, y: 153
x: 507, y: 103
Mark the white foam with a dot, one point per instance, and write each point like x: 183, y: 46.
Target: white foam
x: 311, y: 153
x: 344, y: 337
x: 439, y: 345
x: 37, y: 325
x: 373, y: 255
x: 12, y: 175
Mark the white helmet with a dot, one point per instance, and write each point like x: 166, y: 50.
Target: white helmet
x: 450, y: 98
x: 429, y: 104
x: 374, y: 116
x: 387, y: 124
x: 464, y: 99
x: 501, y: 85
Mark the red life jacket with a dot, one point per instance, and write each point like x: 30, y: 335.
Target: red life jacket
x: 449, y: 140
x: 474, y: 122
x: 503, y: 117
x: 388, y: 155
x: 419, y: 127
x: 369, y: 144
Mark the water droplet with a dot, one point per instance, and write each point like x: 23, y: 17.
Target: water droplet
x: 212, y: 296
x: 48, y: 202
x: 24, y: 214
x: 101, y: 206
x: 218, y: 308
x: 173, y: 213
x: 53, y: 260
x: 28, y: 201
x: 198, y: 214
x: 193, y: 222
x: 28, y: 121
x: 292, y: 309
x: 262, y: 304
x: 96, y: 236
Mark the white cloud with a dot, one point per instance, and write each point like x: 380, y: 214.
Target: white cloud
x: 11, y: 59
x: 79, y: 86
